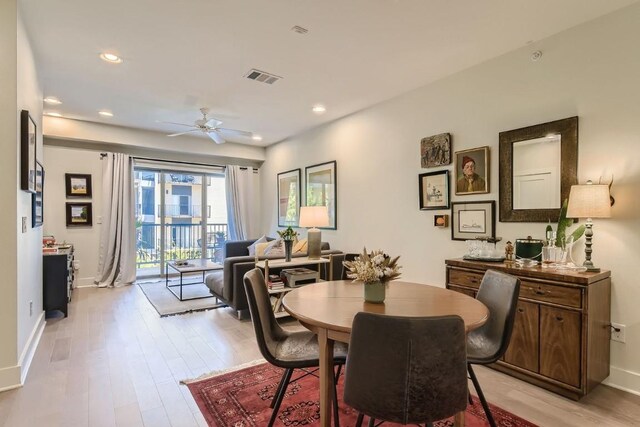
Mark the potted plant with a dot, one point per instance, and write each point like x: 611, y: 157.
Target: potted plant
x: 375, y: 269
x: 288, y: 235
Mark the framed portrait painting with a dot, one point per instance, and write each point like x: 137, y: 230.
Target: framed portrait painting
x: 77, y: 184
x: 472, y: 171
x: 28, y: 143
x: 434, y: 190
x: 321, y: 189
x: 37, y: 209
x: 470, y: 220
x: 289, y: 193
x: 79, y: 214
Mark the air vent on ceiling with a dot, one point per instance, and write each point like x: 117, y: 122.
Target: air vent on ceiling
x: 261, y: 76
x: 300, y: 30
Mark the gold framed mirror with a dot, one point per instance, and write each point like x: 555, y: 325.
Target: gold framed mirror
x: 538, y: 165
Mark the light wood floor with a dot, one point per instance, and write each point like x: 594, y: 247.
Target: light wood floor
x: 115, y: 362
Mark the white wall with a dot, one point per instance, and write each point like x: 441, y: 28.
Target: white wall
x: 590, y: 71
x: 86, y: 240
x: 21, y: 253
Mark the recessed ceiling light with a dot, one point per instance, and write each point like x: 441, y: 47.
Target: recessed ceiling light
x: 52, y: 100
x: 256, y: 138
x: 105, y: 113
x: 110, y: 57
x: 319, y: 109
x: 53, y: 114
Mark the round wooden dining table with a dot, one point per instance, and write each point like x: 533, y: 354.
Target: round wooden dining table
x: 328, y: 309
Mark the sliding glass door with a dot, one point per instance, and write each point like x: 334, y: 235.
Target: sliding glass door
x: 179, y: 215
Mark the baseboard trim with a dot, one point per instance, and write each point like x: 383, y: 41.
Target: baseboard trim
x: 85, y: 282
x: 624, y: 380
x: 30, y: 348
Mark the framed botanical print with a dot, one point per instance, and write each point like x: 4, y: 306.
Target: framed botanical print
x: 470, y: 220
x: 289, y: 192
x: 79, y: 214
x: 37, y: 209
x: 321, y: 189
x: 28, y: 143
x: 77, y: 184
x: 472, y: 171
x: 434, y: 190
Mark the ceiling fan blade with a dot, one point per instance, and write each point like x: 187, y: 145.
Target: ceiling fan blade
x: 182, y: 133
x: 213, y: 122
x: 236, y: 131
x: 216, y: 138
x: 174, y: 123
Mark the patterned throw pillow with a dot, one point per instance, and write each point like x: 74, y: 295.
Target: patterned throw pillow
x: 260, y: 248
x: 275, y: 248
x: 252, y: 247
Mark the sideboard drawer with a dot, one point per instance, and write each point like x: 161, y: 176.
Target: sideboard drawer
x: 563, y: 295
x: 465, y: 278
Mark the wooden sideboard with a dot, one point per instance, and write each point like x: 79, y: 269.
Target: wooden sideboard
x: 57, y: 280
x: 561, y: 335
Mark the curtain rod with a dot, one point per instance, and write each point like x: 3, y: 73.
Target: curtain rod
x: 103, y: 155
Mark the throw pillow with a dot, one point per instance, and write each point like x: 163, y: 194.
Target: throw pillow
x: 300, y: 246
x: 275, y: 248
x: 252, y: 247
x: 260, y: 247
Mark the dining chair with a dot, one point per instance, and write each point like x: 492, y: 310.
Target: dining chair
x: 488, y: 343
x: 283, y: 348
x: 407, y: 370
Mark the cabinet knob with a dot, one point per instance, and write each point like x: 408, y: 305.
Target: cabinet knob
x: 521, y: 310
x: 559, y: 318
x: 540, y: 292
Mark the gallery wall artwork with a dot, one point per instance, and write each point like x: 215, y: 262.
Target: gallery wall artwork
x: 77, y: 185
x: 472, y: 171
x: 435, y: 150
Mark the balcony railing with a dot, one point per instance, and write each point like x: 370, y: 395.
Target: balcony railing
x: 182, y: 241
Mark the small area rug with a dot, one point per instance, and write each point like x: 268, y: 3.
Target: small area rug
x: 241, y: 398
x: 166, y: 303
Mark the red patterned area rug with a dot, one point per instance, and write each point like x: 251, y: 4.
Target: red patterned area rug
x: 241, y: 398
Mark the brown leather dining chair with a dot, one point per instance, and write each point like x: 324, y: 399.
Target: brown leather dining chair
x: 283, y: 348
x: 487, y: 344
x: 407, y: 370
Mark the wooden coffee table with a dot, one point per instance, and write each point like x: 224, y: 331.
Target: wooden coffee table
x: 192, y: 266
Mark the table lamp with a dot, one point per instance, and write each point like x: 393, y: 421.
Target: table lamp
x: 314, y: 216
x: 589, y: 201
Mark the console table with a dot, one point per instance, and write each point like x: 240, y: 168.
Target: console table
x: 57, y: 279
x: 561, y: 334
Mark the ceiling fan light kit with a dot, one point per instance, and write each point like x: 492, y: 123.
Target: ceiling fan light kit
x: 209, y: 126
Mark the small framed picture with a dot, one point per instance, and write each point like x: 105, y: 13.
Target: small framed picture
x: 77, y: 184
x: 434, y: 190
x: 79, y: 215
x: 28, y: 143
x: 470, y: 220
x: 37, y: 212
x: 435, y: 150
x: 472, y: 171
x: 289, y: 192
x: 441, y: 221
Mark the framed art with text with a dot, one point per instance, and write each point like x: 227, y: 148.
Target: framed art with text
x: 28, y: 143
x: 434, y: 190
x: 289, y: 192
x: 321, y: 189
x: 470, y: 220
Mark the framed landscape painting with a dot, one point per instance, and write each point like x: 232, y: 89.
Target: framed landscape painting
x: 470, y: 220
x: 77, y: 184
x: 79, y: 214
x: 321, y: 189
x: 289, y: 192
x: 434, y: 190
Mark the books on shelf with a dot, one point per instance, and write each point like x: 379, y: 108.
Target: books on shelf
x: 274, y: 282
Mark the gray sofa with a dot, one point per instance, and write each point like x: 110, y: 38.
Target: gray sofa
x: 226, y: 284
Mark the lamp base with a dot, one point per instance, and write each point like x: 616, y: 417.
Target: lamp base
x: 313, y: 243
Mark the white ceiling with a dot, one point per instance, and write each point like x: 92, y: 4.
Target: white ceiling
x: 182, y: 55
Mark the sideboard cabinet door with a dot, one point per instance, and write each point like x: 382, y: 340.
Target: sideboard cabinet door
x: 560, y: 344
x: 523, y: 347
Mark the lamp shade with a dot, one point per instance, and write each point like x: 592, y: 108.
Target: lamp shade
x: 589, y: 201
x: 314, y: 216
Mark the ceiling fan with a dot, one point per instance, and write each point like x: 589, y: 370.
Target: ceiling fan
x: 209, y: 126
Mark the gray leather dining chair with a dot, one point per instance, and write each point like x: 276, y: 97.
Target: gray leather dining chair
x: 407, y: 370
x: 283, y: 348
x: 487, y: 344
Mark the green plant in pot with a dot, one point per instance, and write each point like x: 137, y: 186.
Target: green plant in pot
x: 564, y: 223
x: 288, y: 236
